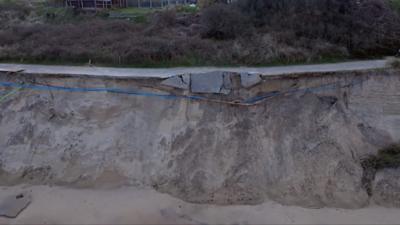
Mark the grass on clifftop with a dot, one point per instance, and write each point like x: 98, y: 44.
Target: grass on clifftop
x: 240, y: 34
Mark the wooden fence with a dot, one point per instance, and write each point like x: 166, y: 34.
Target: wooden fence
x: 126, y: 3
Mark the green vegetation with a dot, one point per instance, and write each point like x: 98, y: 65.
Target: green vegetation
x: 56, y: 14
x: 388, y: 157
x: 187, y: 9
x: 135, y: 11
x: 20, y: 11
x: 138, y: 15
x: 8, y: 2
x: 251, y: 32
x: 394, y: 63
x: 395, y: 4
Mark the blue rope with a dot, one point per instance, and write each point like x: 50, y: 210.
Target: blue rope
x: 262, y: 97
x: 39, y: 87
x: 250, y: 101
x: 323, y: 87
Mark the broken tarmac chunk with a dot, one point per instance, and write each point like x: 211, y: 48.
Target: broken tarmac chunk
x: 12, y: 206
x: 249, y: 80
x: 227, y: 85
x: 214, y: 83
x: 179, y: 81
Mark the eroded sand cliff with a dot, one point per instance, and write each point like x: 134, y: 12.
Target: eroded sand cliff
x: 295, y: 139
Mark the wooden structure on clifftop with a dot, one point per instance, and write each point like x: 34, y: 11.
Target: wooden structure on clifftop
x: 105, y: 4
x: 96, y: 4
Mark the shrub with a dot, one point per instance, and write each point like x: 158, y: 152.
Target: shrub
x: 395, y: 4
x: 205, y: 3
x: 187, y: 9
x: 366, y: 28
x: 394, y: 63
x: 223, y: 22
x: 16, y: 6
x: 12, y: 12
x: 250, y: 32
x: 164, y: 18
x: 388, y: 157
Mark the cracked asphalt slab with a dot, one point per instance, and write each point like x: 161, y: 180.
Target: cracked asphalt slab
x: 169, y: 72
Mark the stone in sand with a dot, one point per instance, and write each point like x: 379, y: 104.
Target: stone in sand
x: 12, y: 206
x: 249, y: 80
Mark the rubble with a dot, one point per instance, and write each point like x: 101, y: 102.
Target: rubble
x: 179, y: 81
x: 13, y: 205
x: 249, y: 80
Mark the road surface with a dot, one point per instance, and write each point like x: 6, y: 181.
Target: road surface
x: 168, y: 72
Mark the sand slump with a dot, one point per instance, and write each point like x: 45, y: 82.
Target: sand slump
x: 296, y: 139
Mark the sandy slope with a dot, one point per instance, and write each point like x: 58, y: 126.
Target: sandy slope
x: 58, y: 205
x: 300, y: 145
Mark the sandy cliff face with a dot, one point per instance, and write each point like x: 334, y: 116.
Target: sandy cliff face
x: 301, y: 144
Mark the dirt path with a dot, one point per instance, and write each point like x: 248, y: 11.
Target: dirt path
x: 167, y: 72
x: 56, y: 205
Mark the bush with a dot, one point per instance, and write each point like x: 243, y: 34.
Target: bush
x: 366, y: 28
x: 205, y: 3
x: 187, y: 9
x: 388, y: 157
x: 16, y: 6
x: 249, y: 32
x: 223, y: 22
x: 395, y: 4
x: 394, y: 63
x: 12, y: 12
x: 103, y: 42
x: 164, y: 18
